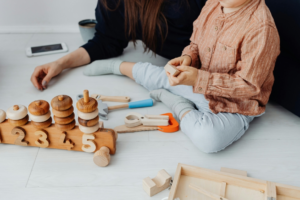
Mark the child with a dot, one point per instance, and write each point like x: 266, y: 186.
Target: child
x: 227, y: 72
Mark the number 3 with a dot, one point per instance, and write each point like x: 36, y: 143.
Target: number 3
x: 88, y: 146
x: 42, y: 141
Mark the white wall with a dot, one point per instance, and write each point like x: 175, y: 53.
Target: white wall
x: 34, y: 16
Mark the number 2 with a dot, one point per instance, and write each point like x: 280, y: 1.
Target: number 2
x: 88, y: 145
x: 42, y: 141
x: 21, y: 132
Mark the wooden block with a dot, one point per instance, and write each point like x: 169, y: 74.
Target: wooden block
x: 88, y: 123
x: 19, y: 122
x: 61, y: 102
x: 64, y: 113
x: 271, y: 191
x: 39, y: 107
x: 172, y: 70
x: 157, y: 184
x: 206, y: 193
x: 234, y: 171
x: 102, y: 157
x: 87, y: 104
x: 64, y: 120
x: 103, y: 137
x: 42, y: 125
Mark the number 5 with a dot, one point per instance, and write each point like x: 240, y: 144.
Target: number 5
x: 88, y: 145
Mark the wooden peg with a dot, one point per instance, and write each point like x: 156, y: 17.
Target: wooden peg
x: 271, y: 191
x: 66, y: 142
x: 21, y: 132
x: 86, y: 96
x: 16, y: 107
x: 61, y: 97
x: 157, y: 184
x: 42, y: 141
x: 102, y: 157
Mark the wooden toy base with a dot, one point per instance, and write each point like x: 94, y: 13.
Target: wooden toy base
x: 68, y: 140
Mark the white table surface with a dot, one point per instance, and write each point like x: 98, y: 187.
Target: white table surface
x: 270, y: 150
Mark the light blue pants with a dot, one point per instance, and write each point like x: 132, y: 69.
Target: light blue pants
x: 208, y: 131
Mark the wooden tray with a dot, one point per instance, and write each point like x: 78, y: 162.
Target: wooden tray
x: 226, y: 185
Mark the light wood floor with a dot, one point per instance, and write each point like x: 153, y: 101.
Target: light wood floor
x: 270, y: 150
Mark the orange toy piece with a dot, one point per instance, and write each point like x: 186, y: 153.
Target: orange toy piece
x: 173, y: 127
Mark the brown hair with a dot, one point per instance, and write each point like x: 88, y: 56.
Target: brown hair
x: 149, y: 14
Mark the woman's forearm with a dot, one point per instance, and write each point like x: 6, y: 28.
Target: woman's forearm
x: 77, y: 58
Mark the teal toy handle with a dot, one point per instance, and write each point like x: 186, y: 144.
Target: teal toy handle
x: 141, y: 104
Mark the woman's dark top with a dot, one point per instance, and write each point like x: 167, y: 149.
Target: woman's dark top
x: 110, y: 39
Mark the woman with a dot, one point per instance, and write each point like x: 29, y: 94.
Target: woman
x: 164, y: 26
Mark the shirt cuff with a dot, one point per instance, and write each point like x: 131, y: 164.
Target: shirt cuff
x: 201, y: 84
x: 194, y: 58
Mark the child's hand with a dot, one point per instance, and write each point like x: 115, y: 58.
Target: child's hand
x: 183, y: 60
x: 188, y: 76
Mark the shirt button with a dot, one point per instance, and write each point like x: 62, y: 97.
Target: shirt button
x: 199, y: 89
x: 208, y: 49
x: 216, y: 28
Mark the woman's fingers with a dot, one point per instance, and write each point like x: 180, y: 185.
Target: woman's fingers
x: 36, y: 78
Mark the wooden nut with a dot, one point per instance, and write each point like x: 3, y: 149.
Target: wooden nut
x: 88, y: 116
x: 64, y: 120
x: 61, y: 102
x: 89, y: 130
x: 16, y: 112
x: 102, y: 157
x: 2, y: 115
x: 39, y: 107
x: 41, y: 125
x: 65, y: 127
x: 19, y: 122
x: 88, y: 123
x: 40, y: 118
x: 64, y: 113
x: 88, y: 107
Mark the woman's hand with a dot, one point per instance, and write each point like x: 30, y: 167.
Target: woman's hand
x: 183, y: 60
x: 188, y: 76
x: 44, y: 73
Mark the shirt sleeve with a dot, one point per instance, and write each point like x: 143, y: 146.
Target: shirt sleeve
x: 192, y: 50
x: 109, y: 39
x: 259, y: 52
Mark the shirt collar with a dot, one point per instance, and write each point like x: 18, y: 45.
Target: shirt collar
x: 250, y: 7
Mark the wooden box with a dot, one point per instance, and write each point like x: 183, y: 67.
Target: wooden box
x: 227, y: 186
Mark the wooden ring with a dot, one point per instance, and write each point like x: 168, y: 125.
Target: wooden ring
x: 65, y: 127
x: 88, y: 123
x: 39, y: 107
x: 88, y: 107
x: 2, y: 115
x: 64, y: 120
x: 40, y: 118
x: 42, y: 125
x: 19, y: 122
x: 88, y: 116
x: 18, y: 114
x: 64, y: 113
x: 61, y: 102
x: 89, y: 130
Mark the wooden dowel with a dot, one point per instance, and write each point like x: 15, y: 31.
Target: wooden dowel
x: 38, y: 103
x: 86, y: 97
x: 102, y: 157
x: 16, y: 107
x: 118, y: 107
x: 60, y: 97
